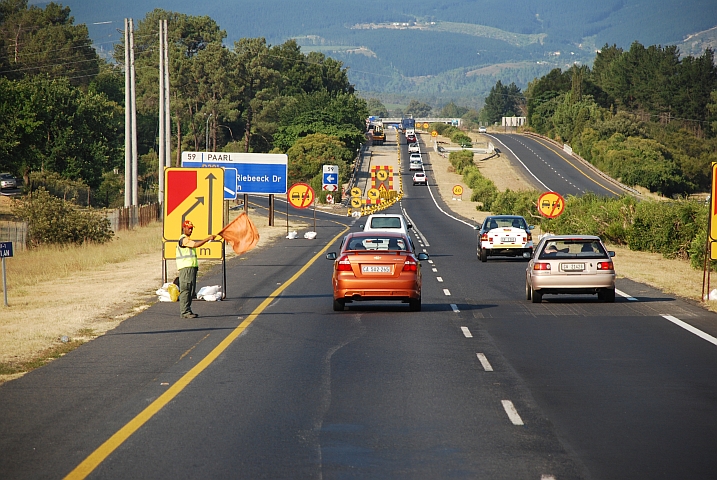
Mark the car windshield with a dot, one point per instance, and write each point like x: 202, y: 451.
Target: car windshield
x: 573, y: 248
x: 386, y: 222
x: 505, y: 222
x: 378, y: 242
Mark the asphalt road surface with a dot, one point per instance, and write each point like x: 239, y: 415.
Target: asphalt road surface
x: 271, y: 383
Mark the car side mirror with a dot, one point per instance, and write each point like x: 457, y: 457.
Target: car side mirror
x: 476, y: 227
x: 611, y: 253
x: 409, y: 225
x: 422, y: 256
x: 361, y: 226
x: 531, y: 227
x: 331, y: 256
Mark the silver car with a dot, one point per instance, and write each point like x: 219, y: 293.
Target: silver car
x: 577, y: 264
x: 7, y: 181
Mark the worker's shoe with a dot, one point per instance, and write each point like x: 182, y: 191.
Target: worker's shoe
x: 189, y: 315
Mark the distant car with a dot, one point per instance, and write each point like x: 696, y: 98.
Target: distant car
x: 575, y: 264
x: 376, y: 266
x: 415, y: 157
x: 7, y: 181
x: 414, y: 148
x: 411, y: 138
x: 482, y: 130
x: 419, y: 178
x: 415, y: 166
x: 504, y: 235
x: 386, y: 222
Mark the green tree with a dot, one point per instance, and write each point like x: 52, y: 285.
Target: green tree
x: 418, y: 109
x: 308, y: 155
x: 376, y: 108
x: 451, y: 110
x: 44, y: 42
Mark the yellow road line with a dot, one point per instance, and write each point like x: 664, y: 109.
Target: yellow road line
x: 104, y: 450
x: 561, y: 153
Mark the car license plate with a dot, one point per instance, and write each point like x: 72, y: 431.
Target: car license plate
x: 376, y: 269
x: 507, y: 239
x: 573, y: 267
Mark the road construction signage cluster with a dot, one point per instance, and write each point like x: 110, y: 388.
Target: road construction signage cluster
x: 194, y: 194
x: 245, y: 173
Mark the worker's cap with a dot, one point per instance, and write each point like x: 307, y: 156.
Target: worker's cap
x: 187, y: 224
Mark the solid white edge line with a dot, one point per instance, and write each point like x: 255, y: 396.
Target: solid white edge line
x: 467, y: 333
x: 512, y: 412
x: 484, y: 361
x: 623, y: 294
x: 455, y: 308
x: 447, y: 292
x: 691, y: 329
x: 521, y: 162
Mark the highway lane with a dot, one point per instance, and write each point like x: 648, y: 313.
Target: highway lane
x: 551, y: 169
x: 628, y: 391
x: 480, y: 384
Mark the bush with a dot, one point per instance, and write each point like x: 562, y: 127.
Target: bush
x: 667, y: 227
x: 461, y: 160
x: 52, y: 220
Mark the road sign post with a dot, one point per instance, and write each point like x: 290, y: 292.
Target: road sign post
x: 5, y: 252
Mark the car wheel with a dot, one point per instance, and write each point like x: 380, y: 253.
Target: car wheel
x: 339, y: 305
x: 536, y: 295
x: 414, y: 305
x: 483, y: 255
x: 528, y: 294
x: 607, y: 295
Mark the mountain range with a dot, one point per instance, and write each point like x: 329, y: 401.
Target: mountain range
x: 437, y: 50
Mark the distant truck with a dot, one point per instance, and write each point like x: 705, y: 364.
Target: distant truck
x: 376, y: 132
x: 408, y: 125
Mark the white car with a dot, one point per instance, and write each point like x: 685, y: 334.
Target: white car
x: 419, y: 178
x: 482, y: 130
x: 506, y: 235
x: 414, y: 148
x: 386, y: 222
x: 414, y: 166
x: 415, y: 157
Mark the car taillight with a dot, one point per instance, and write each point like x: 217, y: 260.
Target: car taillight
x: 484, y: 237
x: 541, y: 266
x: 530, y: 237
x: 605, y: 266
x: 410, y: 265
x: 343, y: 264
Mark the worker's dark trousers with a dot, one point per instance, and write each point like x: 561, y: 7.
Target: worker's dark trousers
x: 187, y: 288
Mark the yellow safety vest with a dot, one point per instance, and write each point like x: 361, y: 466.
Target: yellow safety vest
x: 186, y: 256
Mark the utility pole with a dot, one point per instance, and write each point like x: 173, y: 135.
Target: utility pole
x: 160, y: 170
x: 127, y: 121
x: 135, y: 196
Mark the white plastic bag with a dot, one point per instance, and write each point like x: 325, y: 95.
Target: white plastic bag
x: 310, y: 235
x: 292, y: 235
x: 210, y: 293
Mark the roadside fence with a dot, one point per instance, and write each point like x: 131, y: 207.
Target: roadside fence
x: 15, y: 232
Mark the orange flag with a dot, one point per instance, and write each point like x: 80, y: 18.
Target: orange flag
x: 241, y: 234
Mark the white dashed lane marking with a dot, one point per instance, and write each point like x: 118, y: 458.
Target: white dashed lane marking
x: 623, y: 294
x: 467, y: 333
x: 454, y: 307
x: 512, y: 412
x: 440, y: 279
x: 691, y: 329
x: 447, y: 292
x: 484, y: 361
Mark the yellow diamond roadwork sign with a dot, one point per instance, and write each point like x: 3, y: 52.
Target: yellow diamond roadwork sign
x: 551, y: 204
x: 197, y: 195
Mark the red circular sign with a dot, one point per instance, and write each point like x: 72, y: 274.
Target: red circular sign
x: 300, y: 195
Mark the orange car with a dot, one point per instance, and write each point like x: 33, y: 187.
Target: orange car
x: 377, y: 266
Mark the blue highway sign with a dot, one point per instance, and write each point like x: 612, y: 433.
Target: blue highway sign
x: 244, y: 173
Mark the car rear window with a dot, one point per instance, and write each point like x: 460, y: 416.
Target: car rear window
x: 378, y: 243
x: 577, y: 248
x: 386, y: 222
x: 498, y: 222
